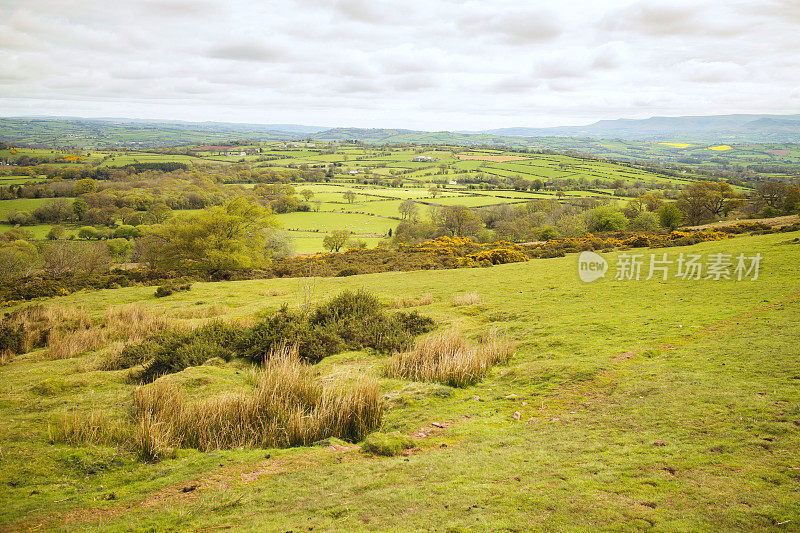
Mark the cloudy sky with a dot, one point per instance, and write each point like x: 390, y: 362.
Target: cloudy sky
x: 423, y: 64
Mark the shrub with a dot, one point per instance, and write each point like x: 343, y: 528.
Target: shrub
x: 90, y: 233
x: 606, y: 218
x: 415, y: 323
x: 171, y: 287
x: 176, y: 352
x: 446, y: 357
x: 387, y: 444
x: 56, y: 232
x: 499, y: 256
x: 347, y: 272
x: 351, y: 320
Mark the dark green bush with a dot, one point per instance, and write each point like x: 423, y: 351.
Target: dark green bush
x: 171, y: 287
x: 347, y: 272
x: 414, y: 322
x: 12, y: 338
x: 351, y: 320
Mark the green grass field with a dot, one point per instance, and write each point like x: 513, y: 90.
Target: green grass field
x: 664, y: 405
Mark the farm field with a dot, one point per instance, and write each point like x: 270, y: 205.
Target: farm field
x: 643, y: 404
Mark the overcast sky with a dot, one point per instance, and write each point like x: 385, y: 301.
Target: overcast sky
x: 418, y: 64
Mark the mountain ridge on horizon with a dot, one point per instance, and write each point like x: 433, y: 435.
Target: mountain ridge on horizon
x: 701, y: 128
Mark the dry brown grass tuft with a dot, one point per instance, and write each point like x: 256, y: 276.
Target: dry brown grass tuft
x: 151, y: 439
x: 272, y: 292
x: 287, y: 408
x: 79, y: 428
x: 202, y: 312
x: 468, y: 298
x: 447, y: 357
x: 134, y: 322
x: 407, y: 301
x: 65, y: 345
x: 37, y: 321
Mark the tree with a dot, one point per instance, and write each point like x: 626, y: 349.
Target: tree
x: 670, y: 216
x: 434, y: 191
x: 17, y: 258
x: 458, y: 220
x: 705, y: 200
x: 118, y: 248
x: 350, y: 196
x: 335, y: 240
x: 606, y: 218
x: 56, y: 233
x: 89, y: 233
x: 408, y: 210
x: 79, y: 206
x: 229, y: 237
x: 308, y: 194
x: 85, y: 186
x: 158, y: 213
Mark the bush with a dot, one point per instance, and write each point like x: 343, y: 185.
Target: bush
x: 56, y: 232
x: 90, y: 233
x: 347, y: 272
x: 351, y: 320
x: 171, y: 287
x: 606, y: 218
x: 175, y: 352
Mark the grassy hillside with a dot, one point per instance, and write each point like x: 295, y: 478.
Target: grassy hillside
x: 628, y: 405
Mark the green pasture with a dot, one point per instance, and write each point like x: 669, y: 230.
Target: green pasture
x: 629, y: 405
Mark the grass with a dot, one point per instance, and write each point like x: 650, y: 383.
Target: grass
x: 446, y: 357
x: 604, y: 373
x: 468, y: 298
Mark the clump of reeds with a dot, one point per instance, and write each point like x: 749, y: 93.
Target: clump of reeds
x: 468, y: 298
x: 403, y: 302
x: 134, y: 322
x: 93, y: 427
x: 447, y: 357
x: 63, y: 345
x: 32, y: 325
x: 287, y: 407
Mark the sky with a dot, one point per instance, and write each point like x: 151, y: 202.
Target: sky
x: 417, y: 64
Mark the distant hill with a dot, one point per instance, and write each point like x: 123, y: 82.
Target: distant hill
x: 715, y: 128
x: 109, y: 132
x: 98, y: 132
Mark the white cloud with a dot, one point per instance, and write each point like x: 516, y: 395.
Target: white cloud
x: 452, y: 64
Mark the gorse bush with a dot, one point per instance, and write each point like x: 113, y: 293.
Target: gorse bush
x: 447, y: 357
x: 349, y: 321
x: 174, y: 352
